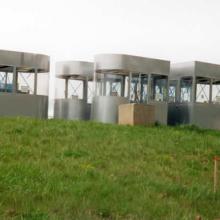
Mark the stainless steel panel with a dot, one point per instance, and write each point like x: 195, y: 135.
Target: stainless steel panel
x: 105, y: 108
x: 71, y: 109
x: 180, y: 113
x: 161, y: 112
x: 23, y: 105
x: 75, y: 68
x: 206, y: 115
x: 25, y: 62
x: 127, y: 63
x: 194, y: 68
x: 203, y: 115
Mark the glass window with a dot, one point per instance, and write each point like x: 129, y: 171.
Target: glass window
x: 202, y: 89
x: 138, y: 88
x: 185, y: 89
x: 173, y: 90
x: 25, y: 83
x: 216, y: 91
x: 159, y: 87
x: 110, y: 85
x: 75, y: 89
x: 43, y: 84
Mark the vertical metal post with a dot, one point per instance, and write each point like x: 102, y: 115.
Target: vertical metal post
x: 193, y: 93
x: 149, y: 90
x: 178, y: 91
x: 66, y: 88
x: 104, y: 85
x: 210, y: 91
x: 6, y: 81
x: 142, y: 89
x: 15, y: 79
x: 85, y: 90
x: 35, y: 81
x: 167, y: 89
x: 129, y: 86
x: 123, y: 86
x: 95, y: 84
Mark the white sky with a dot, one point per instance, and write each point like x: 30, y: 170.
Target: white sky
x: 177, y: 30
x: 77, y: 29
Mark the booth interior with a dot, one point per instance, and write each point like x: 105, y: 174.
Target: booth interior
x: 74, y: 86
x: 24, y: 81
x: 194, y: 94
x: 121, y: 79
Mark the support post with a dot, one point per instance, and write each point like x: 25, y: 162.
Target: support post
x: 123, y: 86
x: 35, y: 81
x: 193, y: 93
x: 66, y: 88
x: 210, y: 91
x: 167, y: 89
x: 85, y: 90
x: 129, y: 86
x: 178, y: 91
x: 15, y: 79
x: 104, y: 85
x: 149, y: 90
x: 6, y: 81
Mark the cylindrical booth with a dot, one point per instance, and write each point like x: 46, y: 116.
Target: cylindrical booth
x: 73, y: 90
x: 24, y: 81
x: 121, y: 79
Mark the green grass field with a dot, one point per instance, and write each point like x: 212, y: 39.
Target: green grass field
x: 82, y: 170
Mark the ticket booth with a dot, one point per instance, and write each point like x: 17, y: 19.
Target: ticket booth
x: 121, y: 79
x: 73, y: 93
x: 24, y: 82
x: 194, y: 94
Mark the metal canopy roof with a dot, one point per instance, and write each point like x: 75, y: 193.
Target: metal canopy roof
x: 125, y: 64
x: 24, y: 62
x: 75, y: 69
x: 195, y: 68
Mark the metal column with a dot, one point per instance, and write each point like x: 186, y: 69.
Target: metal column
x: 149, y: 91
x: 193, y: 93
x: 129, y: 85
x: 85, y: 90
x: 6, y: 79
x: 210, y: 91
x: 66, y: 88
x: 35, y: 81
x: 15, y: 79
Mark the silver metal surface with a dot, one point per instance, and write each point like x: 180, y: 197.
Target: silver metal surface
x: 161, y: 112
x: 194, y: 68
x: 105, y: 108
x: 15, y: 103
x: 126, y: 63
x: 23, y: 105
x: 205, y: 114
x: 24, y: 62
x: 74, y: 108
x: 74, y: 69
x: 71, y: 109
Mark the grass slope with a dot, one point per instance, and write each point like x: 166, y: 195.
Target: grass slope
x: 82, y: 170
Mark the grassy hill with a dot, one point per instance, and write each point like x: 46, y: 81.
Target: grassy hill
x: 82, y: 170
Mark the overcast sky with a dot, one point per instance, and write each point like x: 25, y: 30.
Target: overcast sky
x: 77, y: 29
